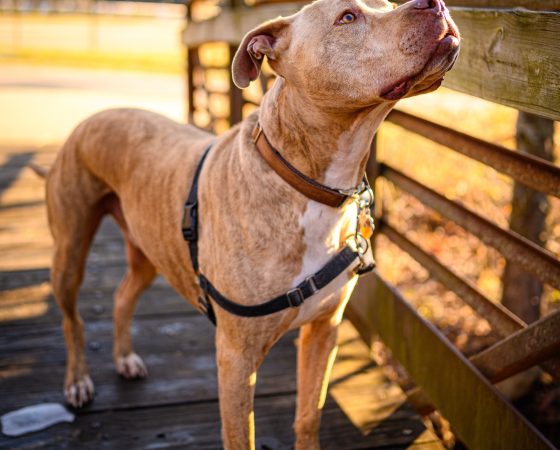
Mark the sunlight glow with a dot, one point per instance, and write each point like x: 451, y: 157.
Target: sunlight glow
x: 359, y: 387
x: 253, y: 379
x: 24, y: 303
x: 348, y: 288
x: 251, y: 418
x: 325, y: 384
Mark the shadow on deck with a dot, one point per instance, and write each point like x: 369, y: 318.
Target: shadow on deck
x: 177, y: 405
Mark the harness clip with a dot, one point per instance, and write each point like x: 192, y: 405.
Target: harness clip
x: 203, y: 304
x: 312, y: 284
x: 364, y: 268
x: 295, y: 297
x: 190, y: 221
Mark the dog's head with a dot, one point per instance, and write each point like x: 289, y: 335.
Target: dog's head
x: 354, y: 53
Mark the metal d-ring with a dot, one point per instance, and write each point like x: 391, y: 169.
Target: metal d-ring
x: 363, y: 244
x: 358, y: 243
x: 366, y: 197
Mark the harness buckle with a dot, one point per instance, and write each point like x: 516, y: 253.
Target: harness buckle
x: 190, y: 221
x: 295, y: 297
x: 205, y: 308
x: 203, y: 304
x: 312, y: 284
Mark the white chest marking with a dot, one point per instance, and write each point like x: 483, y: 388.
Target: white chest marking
x: 324, y: 226
x: 323, y: 234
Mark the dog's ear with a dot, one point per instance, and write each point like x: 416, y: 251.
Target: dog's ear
x: 265, y: 40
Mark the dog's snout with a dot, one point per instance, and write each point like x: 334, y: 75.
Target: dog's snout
x: 436, y: 5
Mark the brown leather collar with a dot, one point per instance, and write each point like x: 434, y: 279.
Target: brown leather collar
x: 299, y: 181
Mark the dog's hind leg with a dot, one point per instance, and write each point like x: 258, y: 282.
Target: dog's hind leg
x: 66, y: 277
x: 75, y: 211
x: 73, y: 230
x: 139, y: 276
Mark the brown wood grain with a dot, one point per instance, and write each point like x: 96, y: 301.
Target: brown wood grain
x: 179, y: 398
x: 197, y: 426
x: 545, y: 5
x: 510, y: 57
x: 178, y: 351
x: 529, y: 4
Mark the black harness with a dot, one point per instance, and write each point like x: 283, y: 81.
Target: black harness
x: 292, y: 298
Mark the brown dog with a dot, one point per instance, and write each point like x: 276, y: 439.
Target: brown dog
x: 342, y: 65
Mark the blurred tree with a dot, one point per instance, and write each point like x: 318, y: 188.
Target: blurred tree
x: 522, y: 291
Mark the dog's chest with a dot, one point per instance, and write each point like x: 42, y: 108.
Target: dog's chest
x: 325, y: 232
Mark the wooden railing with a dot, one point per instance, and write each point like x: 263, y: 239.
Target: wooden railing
x: 510, y: 56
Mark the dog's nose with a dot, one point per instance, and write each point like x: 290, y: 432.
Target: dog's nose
x: 437, y: 5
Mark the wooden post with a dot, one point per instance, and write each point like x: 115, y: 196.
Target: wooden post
x: 372, y: 172
x: 93, y: 27
x: 522, y: 291
x: 189, y: 65
x: 17, y: 33
x: 192, y: 61
x: 235, y: 94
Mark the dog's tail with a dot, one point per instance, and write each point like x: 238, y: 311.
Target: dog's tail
x: 39, y: 170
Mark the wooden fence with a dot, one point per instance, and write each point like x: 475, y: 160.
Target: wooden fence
x: 510, y: 56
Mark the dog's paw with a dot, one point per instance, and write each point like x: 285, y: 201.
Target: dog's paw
x: 80, y: 392
x: 131, y: 366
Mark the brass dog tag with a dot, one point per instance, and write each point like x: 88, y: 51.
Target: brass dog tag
x: 365, y: 223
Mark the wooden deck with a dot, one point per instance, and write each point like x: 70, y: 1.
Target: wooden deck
x: 177, y: 405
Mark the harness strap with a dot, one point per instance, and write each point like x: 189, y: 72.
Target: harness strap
x: 190, y: 214
x: 291, y: 299
x: 294, y: 297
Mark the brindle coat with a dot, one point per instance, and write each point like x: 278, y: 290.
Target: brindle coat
x: 342, y: 64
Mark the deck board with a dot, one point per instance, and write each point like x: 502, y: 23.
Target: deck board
x: 177, y: 405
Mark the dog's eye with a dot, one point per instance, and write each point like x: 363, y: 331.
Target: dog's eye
x: 347, y: 17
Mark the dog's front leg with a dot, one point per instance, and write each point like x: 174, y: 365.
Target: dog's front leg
x: 316, y: 354
x: 237, y: 362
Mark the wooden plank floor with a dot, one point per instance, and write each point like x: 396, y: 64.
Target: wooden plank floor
x: 177, y: 405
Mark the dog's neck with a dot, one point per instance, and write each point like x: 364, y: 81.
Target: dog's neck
x: 329, y: 146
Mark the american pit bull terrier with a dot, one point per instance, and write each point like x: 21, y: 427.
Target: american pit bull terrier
x: 276, y: 202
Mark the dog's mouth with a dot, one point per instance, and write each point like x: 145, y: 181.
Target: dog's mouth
x: 431, y: 75
x: 398, y: 90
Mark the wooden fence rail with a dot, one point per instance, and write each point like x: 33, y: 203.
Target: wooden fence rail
x: 513, y: 246
x: 509, y: 57
x: 529, y: 170
x: 546, y: 5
